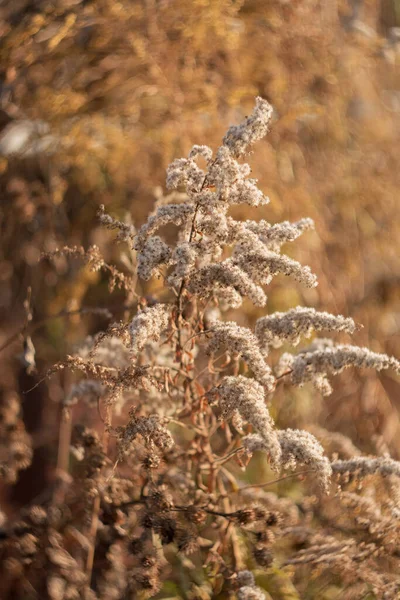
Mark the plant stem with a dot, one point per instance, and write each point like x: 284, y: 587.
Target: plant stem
x: 64, y: 441
x: 260, y: 485
x: 96, y: 506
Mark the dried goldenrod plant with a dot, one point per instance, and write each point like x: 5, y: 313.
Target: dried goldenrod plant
x: 155, y: 502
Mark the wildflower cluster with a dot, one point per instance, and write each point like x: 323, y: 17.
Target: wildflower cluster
x: 183, y: 395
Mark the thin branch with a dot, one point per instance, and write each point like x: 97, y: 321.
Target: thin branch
x: 26, y: 329
x: 268, y: 483
x: 64, y: 441
x: 183, y: 284
x: 96, y: 511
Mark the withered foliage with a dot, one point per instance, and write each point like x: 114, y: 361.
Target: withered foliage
x: 98, y: 97
x: 153, y: 497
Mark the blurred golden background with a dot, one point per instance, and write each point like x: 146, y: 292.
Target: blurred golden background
x: 97, y: 97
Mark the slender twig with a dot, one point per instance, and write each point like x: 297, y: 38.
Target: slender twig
x: 268, y: 483
x: 64, y: 441
x: 207, y: 366
x: 189, y: 427
x: 112, y: 471
x: 195, y: 335
x: 184, y: 280
x: 63, y: 314
x: 284, y: 375
x: 96, y: 508
x: 223, y: 459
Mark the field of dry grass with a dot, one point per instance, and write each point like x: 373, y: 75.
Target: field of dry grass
x: 97, y: 98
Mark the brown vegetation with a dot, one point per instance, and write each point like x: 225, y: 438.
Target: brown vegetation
x: 97, y: 98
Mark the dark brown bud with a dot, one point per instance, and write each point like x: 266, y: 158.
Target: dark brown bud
x: 245, y: 516
x: 262, y: 556
x: 148, y: 561
x: 167, y: 530
x: 135, y: 545
x: 265, y: 536
x: 273, y: 519
x: 151, y: 461
x: 196, y: 515
x: 149, y: 521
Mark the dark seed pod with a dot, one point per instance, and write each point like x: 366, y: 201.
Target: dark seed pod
x: 262, y: 555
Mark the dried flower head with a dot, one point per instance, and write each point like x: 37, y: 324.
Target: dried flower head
x: 297, y: 448
x: 290, y: 326
x: 150, y: 428
x: 247, y: 397
x: 254, y: 128
x: 243, y: 343
x: 148, y: 325
x: 248, y: 589
x: 313, y: 364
